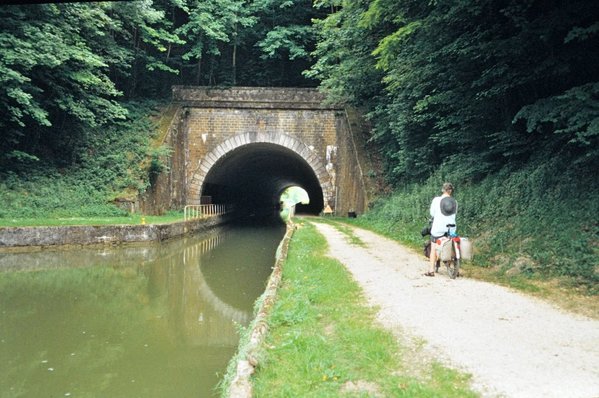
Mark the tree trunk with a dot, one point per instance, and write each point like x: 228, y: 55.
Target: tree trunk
x: 199, y: 71
x: 234, y: 63
x: 234, y: 60
x: 211, y: 80
x: 136, y: 39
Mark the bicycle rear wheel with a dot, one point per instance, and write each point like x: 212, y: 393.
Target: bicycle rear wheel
x: 453, y: 267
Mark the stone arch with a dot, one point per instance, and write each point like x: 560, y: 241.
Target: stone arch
x: 293, y: 144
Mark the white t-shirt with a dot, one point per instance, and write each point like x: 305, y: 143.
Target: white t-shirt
x: 440, y: 220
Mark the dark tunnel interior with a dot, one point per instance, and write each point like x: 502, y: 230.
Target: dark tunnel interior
x: 253, y: 177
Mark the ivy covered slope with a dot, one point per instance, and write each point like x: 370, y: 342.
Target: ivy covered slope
x: 113, y: 161
x: 501, y: 98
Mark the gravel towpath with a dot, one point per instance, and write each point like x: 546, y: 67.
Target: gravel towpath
x: 512, y: 345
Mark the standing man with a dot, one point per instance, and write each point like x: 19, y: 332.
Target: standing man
x: 443, y: 211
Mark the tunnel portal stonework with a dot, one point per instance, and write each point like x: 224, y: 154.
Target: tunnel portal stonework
x: 209, y: 125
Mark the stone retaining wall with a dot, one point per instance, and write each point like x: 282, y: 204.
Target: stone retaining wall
x: 15, y: 238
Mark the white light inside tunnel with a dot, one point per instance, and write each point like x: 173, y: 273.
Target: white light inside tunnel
x: 290, y: 197
x: 294, y: 195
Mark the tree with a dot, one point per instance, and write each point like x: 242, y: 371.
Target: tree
x: 52, y: 77
x: 212, y: 23
x: 344, y: 63
x: 477, y: 84
x: 286, y: 37
x: 143, y: 38
x: 64, y: 66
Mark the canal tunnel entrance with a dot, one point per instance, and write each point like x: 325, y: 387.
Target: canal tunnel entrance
x: 252, y: 177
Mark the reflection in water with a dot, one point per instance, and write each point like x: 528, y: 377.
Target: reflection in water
x: 151, y: 321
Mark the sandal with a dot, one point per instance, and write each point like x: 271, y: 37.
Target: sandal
x: 429, y: 274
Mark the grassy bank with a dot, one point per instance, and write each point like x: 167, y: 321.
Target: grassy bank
x: 324, y: 341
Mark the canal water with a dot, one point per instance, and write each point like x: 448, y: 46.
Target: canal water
x: 159, y: 320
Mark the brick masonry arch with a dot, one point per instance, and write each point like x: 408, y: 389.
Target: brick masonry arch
x: 207, y: 124
x: 324, y: 174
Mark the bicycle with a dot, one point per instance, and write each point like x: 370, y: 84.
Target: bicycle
x: 450, y: 250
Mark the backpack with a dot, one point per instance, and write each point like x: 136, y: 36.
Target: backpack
x: 427, y: 249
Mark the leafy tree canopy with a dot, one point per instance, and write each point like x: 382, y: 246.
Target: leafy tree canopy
x: 65, y: 68
x: 480, y: 84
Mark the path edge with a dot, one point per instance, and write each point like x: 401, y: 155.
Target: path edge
x: 246, y: 359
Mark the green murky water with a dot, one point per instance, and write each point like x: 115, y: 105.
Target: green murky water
x: 152, y: 321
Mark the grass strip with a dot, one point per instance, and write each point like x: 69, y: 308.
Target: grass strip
x: 338, y: 224
x: 324, y: 340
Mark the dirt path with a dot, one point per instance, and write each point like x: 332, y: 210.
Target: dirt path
x: 513, y: 345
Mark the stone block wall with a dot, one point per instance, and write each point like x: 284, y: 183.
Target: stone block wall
x: 351, y: 193
x: 211, y: 132
x: 167, y: 189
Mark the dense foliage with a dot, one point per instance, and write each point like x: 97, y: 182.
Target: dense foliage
x: 523, y: 223
x: 501, y: 98
x: 112, y: 161
x: 64, y: 68
x: 480, y: 84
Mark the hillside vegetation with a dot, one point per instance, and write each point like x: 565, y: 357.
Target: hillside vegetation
x: 114, y: 161
x: 501, y: 97
x: 523, y: 223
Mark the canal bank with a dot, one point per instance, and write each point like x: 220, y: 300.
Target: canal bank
x: 26, y: 238
x: 237, y: 383
x: 341, y: 283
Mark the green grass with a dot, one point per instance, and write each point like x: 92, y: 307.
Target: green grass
x: 324, y: 340
x: 130, y: 220
x: 337, y: 223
